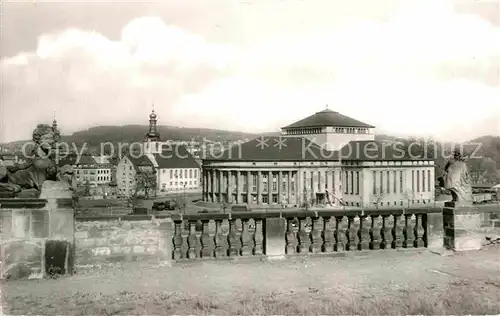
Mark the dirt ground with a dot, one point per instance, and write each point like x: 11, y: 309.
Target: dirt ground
x: 382, y: 283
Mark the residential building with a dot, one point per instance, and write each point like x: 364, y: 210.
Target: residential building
x: 175, y: 169
x: 301, y: 168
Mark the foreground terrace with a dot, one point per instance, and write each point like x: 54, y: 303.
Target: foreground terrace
x: 401, y: 282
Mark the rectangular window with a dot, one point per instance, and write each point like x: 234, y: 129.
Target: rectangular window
x: 352, y: 182
x: 388, y: 182
x: 395, y: 173
x: 381, y: 189
x: 185, y: 173
x: 346, y: 182
x: 418, y: 180
x: 357, y: 182
x: 401, y: 181
x: 423, y: 181
x: 333, y: 181
x: 429, y: 180
x: 190, y: 173
x: 254, y: 182
x: 171, y: 173
x: 283, y: 186
x: 413, y: 181
x: 374, y: 182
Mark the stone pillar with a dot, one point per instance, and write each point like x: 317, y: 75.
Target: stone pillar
x: 289, y: 197
x: 259, y: 187
x: 435, y: 231
x: 221, y: 185
x: 212, y: 184
x: 229, y: 186
x: 275, y: 240
x: 461, y: 227
x: 238, y: 187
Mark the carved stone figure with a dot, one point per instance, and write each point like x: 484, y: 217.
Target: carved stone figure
x: 39, y: 167
x: 457, y: 181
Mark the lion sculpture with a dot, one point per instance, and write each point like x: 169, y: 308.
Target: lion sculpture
x: 39, y: 167
x: 456, y: 180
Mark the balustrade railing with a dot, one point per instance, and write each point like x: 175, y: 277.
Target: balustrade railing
x: 245, y: 234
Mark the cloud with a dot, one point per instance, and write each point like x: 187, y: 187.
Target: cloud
x: 424, y: 70
x: 89, y: 79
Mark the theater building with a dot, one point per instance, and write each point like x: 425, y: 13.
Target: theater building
x: 326, y: 159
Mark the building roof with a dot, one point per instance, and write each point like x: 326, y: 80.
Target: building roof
x: 176, y: 156
x: 328, y: 118
x: 371, y: 150
x: 275, y: 149
x: 74, y: 159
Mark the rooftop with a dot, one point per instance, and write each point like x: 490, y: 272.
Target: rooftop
x: 328, y: 118
x: 275, y: 149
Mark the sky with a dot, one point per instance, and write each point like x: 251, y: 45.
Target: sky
x: 427, y: 68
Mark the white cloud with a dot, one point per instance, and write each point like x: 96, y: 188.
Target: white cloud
x: 426, y: 70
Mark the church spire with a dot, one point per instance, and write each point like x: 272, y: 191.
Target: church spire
x: 153, y: 133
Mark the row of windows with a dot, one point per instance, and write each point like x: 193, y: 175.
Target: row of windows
x: 420, y: 177
x: 394, y: 203
x: 105, y: 171
x: 180, y: 183
x: 382, y: 182
x: 191, y: 173
x: 351, y: 130
x: 216, y: 185
x: 303, y: 131
x: 351, y: 186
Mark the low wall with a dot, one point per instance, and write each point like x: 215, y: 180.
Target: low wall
x: 122, y: 238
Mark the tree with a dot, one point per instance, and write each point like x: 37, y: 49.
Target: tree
x: 378, y: 197
x: 145, y: 180
x: 482, y: 170
x: 86, y: 187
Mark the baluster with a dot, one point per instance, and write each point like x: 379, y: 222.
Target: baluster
x: 316, y: 238
x: 258, y: 237
x: 304, y: 238
x: 386, y: 233
x: 351, y: 234
x: 397, y: 232
x: 232, y: 239
x: 290, y: 237
x: 245, y: 239
x: 328, y: 238
x: 206, y: 241
x: 218, y: 250
x: 364, y: 233
x: 340, y: 234
x: 192, y: 240
x: 177, y: 240
x: 375, y: 234
x: 408, y: 232
x: 419, y: 231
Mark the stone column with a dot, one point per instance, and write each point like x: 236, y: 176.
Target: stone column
x: 212, y: 185
x: 229, y: 186
x: 259, y: 187
x: 221, y: 184
x: 238, y: 187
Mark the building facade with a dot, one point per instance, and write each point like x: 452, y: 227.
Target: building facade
x: 174, y: 167
x: 298, y: 169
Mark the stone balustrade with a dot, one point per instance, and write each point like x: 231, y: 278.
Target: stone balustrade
x: 281, y: 233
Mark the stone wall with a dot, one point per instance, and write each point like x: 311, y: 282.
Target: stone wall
x: 125, y: 238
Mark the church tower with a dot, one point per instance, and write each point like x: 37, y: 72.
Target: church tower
x: 152, y: 141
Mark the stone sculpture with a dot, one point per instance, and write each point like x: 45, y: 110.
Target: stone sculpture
x: 457, y: 181
x: 26, y: 180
